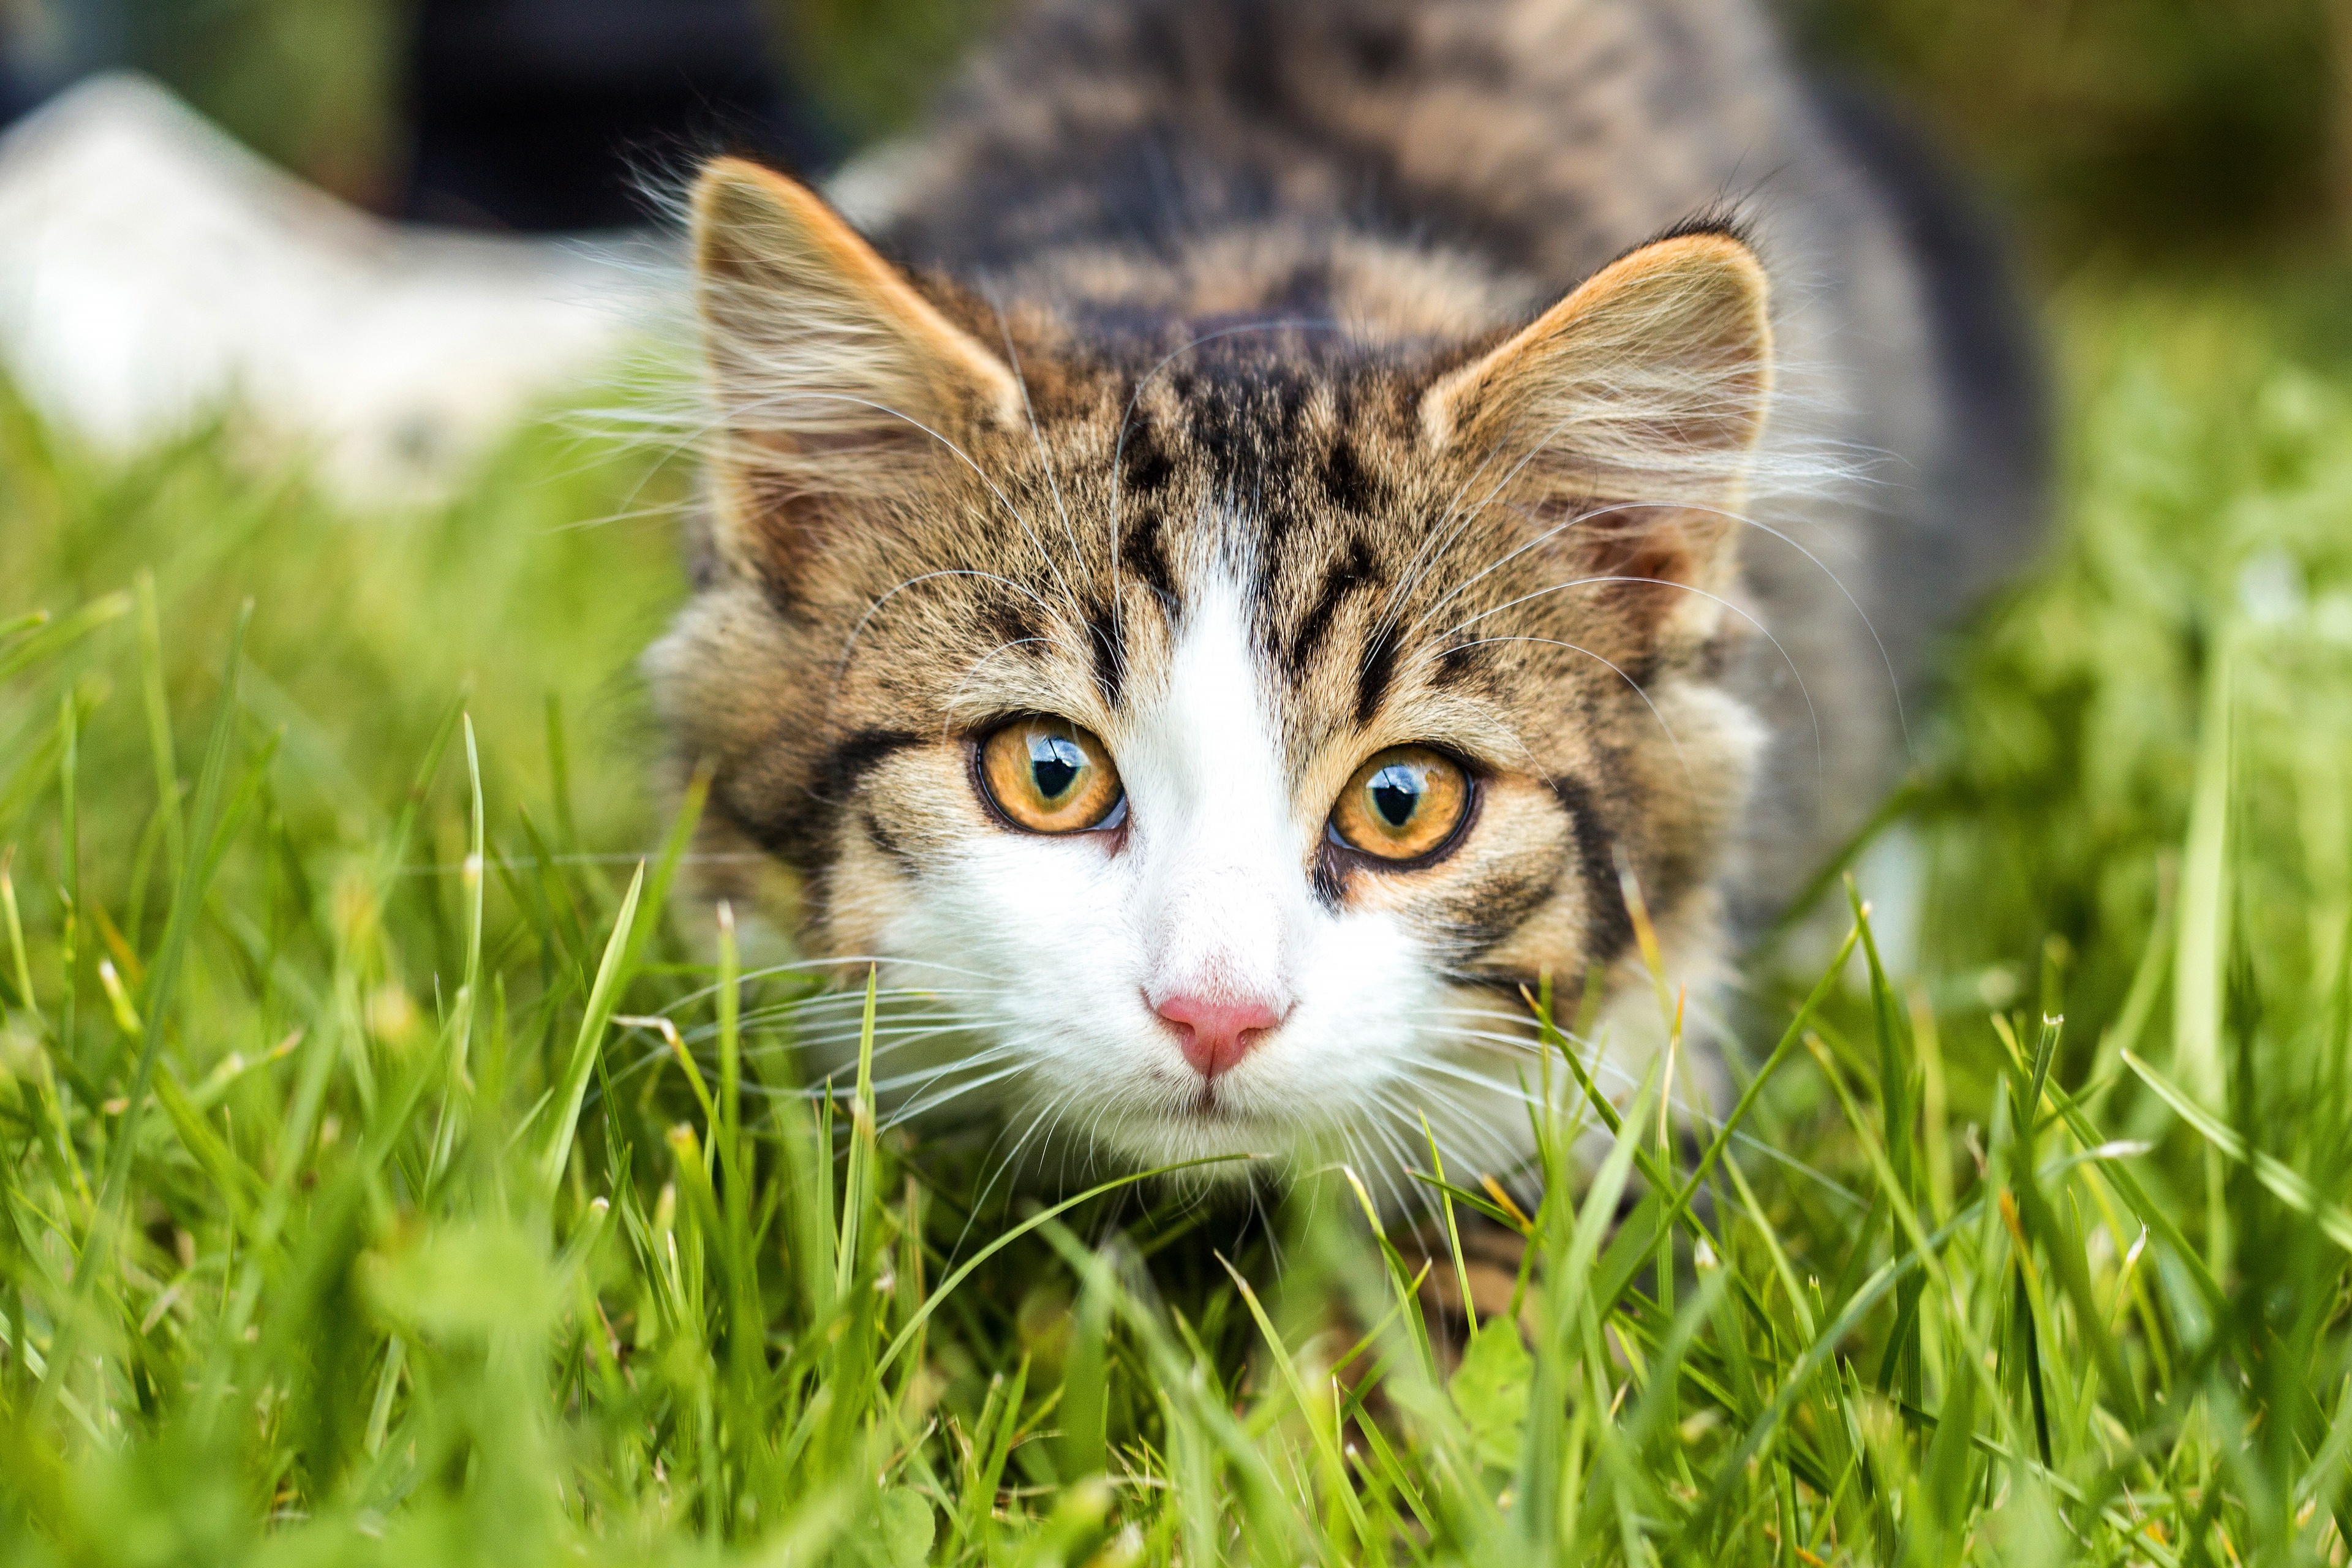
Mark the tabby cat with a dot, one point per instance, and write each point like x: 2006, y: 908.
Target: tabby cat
x: 1277, y: 520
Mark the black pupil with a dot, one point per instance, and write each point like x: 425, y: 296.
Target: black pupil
x: 1054, y: 762
x: 1396, y: 793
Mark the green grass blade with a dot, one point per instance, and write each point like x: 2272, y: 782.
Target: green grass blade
x: 572, y: 1088
x: 2287, y: 1185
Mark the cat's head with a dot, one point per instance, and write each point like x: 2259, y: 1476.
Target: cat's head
x: 1225, y: 719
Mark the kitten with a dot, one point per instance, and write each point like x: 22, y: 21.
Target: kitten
x: 1289, y: 512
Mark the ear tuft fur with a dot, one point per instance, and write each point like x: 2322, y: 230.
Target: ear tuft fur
x: 833, y: 374
x: 1625, y: 420
x: 1647, y: 385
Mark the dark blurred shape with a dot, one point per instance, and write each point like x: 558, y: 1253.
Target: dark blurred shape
x: 1977, y: 319
x: 44, y: 49
x: 19, y: 92
x: 545, y: 115
x: 2136, y: 127
x: 17, y: 95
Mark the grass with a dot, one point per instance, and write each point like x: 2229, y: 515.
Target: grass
x: 384, y: 1177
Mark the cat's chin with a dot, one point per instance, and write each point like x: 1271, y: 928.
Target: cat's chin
x: 1207, y: 1129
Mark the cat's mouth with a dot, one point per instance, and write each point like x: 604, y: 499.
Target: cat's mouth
x: 1207, y: 1107
x: 1217, y: 1104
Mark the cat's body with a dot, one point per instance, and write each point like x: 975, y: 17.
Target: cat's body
x: 1232, y: 415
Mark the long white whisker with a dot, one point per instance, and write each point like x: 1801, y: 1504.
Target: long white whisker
x: 948, y: 707
x: 1006, y: 1168
x: 1601, y: 1067
x: 805, y: 964
x: 1492, y: 1153
x: 899, y: 1037
x: 1426, y: 554
x: 924, y: 1103
x: 1398, y: 1161
x: 812, y: 1009
x: 1893, y: 684
x: 1465, y: 519
x: 875, y: 608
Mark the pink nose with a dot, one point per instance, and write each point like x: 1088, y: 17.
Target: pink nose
x: 1217, y: 1032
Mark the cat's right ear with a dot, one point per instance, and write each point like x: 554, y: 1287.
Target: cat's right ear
x: 835, y: 378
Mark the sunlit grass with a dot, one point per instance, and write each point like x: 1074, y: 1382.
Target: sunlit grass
x: 388, y: 1177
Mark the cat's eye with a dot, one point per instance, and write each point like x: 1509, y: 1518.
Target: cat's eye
x: 1047, y: 775
x: 1403, y: 804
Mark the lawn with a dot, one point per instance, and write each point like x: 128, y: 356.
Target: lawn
x: 394, y: 1167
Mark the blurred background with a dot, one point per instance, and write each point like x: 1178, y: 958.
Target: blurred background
x: 525, y: 114
x: 2178, y: 130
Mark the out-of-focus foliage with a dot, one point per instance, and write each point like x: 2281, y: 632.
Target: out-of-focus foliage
x: 2122, y: 125
x: 2207, y: 538
x: 871, y: 63
x: 313, y: 84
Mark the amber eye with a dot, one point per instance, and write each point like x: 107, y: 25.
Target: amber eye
x: 1050, y: 777
x: 1402, y: 804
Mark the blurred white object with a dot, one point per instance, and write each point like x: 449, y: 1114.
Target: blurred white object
x: 152, y: 269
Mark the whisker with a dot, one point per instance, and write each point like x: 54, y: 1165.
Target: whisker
x: 799, y: 965
x: 1398, y: 1161
x: 1463, y: 1133
x: 920, y: 1107
x: 1742, y: 518
x: 948, y: 708
x: 1036, y: 1122
x: 891, y: 1034
x: 1433, y: 543
x: 1603, y: 1067
x: 874, y: 608
x: 1894, y: 682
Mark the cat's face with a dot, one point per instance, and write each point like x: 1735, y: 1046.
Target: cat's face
x: 1225, y: 730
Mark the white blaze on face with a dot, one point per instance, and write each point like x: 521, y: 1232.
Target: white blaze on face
x: 1081, y: 943
x: 1223, y: 899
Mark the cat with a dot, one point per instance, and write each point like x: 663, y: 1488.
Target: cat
x: 1293, y: 523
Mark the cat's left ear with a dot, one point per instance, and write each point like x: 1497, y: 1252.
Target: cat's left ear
x: 1644, y: 391
x: 838, y: 381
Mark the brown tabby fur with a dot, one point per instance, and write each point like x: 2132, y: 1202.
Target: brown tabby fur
x: 1200, y: 286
